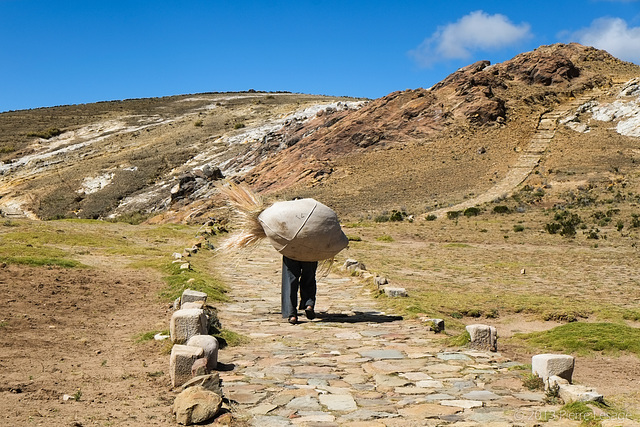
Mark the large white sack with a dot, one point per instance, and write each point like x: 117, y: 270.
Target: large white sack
x: 303, y: 229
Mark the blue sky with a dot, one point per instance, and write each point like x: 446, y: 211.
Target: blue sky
x: 59, y: 52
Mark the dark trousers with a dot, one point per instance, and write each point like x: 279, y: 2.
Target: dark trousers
x: 298, y: 275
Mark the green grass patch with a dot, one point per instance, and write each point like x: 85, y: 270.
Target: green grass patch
x: 460, y: 340
x: 384, y: 238
x: 231, y: 338
x: 147, y: 336
x: 178, y: 280
x: 35, y: 261
x: 585, y: 338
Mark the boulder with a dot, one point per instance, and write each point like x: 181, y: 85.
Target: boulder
x: 210, y: 382
x: 196, y: 405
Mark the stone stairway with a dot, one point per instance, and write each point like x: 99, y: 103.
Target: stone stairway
x: 527, y: 161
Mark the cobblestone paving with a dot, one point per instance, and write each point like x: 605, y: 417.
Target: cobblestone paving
x: 356, y: 366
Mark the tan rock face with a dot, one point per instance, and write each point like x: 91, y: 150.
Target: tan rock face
x: 196, y: 405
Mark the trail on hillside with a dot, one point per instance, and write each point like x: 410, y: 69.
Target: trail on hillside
x: 527, y: 161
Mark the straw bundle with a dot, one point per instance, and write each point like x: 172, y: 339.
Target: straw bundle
x: 248, y: 206
x: 301, y: 229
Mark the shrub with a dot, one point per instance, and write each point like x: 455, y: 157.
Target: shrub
x: 473, y: 211
x: 46, y: 134
x: 381, y: 218
x: 518, y: 228
x: 397, y: 215
x: 565, y: 224
x: 635, y: 220
x: 533, y: 382
x: 501, y: 209
x: 431, y: 217
x: 453, y: 214
x: 198, y: 123
x: 238, y: 126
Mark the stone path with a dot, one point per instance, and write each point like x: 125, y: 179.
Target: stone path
x: 356, y: 366
x: 527, y: 161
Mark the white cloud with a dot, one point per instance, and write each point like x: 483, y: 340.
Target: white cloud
x: 612, y: 35
x: 477, y: 31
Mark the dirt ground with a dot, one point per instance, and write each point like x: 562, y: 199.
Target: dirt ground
x: 73, y: 332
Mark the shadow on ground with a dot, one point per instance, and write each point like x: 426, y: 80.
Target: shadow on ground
x: 357, y: 317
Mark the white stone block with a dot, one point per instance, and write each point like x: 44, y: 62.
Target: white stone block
x: 547, y: 365
x: 579, y: 393
x: 436, y: 325
x: 181, y: 361
x: 208, y: 344
x: 395, y: 292
x: 483, y: 336
x: 186, y: 323
x: 192, y: 304
x: 189, y: 295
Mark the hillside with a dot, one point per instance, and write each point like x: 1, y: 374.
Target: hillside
x: 416, y: 150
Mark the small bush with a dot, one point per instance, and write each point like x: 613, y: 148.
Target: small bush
x: 635, y: 221
x: 473, y: 211
x: 381, y: 218
x: 397, y: 215
x: 431, y: 217
x: 354, y: 238
x: 238, y: 126
x: 384, y: 238
x: 565, y: 224
x: 501, y: 209
x: 453, y: 214
x: 46, y: 134
x: 532, y: 382
x: 518, y: 228
x: 198, y: 123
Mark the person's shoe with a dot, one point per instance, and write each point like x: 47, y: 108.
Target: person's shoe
x: 293, y: 320
x: 309, y: 313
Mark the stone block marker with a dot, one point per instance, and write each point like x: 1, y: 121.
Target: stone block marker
x: 189, y: 295
x: 181, y: 362
x: 395, y: 292
x: 483, y: 336
x: 435, y: 325
x: 208, y: 344
x: 186, y: 323
x: 547, y: 365
x: 192, y: 304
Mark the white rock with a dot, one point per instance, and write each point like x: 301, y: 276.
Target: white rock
x: 483, y: 336
x: 547, y: 365
x: 181, y: 361
x: 209, y: 344
x: 186, y: 323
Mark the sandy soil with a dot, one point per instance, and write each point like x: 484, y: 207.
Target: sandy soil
x: 73, y: 332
